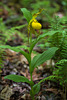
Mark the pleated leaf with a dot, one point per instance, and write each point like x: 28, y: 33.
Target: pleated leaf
x: 17, y: 49
x: 17, y: 78
x: 50, y: 33
x: 41, y: 58
x: 27, y: 14
x: 36, y: 89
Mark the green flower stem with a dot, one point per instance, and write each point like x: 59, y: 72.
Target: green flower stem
x: 33, y: 98
x: 32, y: 83
x: 32, y: 92
x: 39, y: 33
x: 31, y: 77
x: 30, y: 41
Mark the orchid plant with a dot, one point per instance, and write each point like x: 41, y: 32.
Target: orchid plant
x: 33, y: 25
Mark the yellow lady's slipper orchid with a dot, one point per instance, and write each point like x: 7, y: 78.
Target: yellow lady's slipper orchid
x: 36, y: 25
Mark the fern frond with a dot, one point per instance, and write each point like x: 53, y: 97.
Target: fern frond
x: 61, y: 71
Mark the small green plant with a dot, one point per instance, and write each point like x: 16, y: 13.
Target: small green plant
x: 1, y: 60
x: 60, y: 73
x: 58, y: 37
x: 33, y: 25
x: 7, y: 34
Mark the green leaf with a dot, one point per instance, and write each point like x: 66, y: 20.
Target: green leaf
x: 41, y: 58
x: 27, y: 14
x: 18, y: 27
x: 17, y: 78
x: 50, y: 33
x: 9, y: 47
x: 17, y: 49
x: 35, y: 89
x: 32, y: 46
x: 26, y: 55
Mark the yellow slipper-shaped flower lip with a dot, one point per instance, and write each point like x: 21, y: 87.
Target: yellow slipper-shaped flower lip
x: 36, y: 25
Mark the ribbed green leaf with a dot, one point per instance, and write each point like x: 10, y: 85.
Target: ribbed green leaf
x: 17, y: 49
x: 27, y: 14
x: 18, y: 27
x: 17, y: 78
x: 41, y: 58
x: 50, y: 33
x: 9, y: 47
x: 36, y: 88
